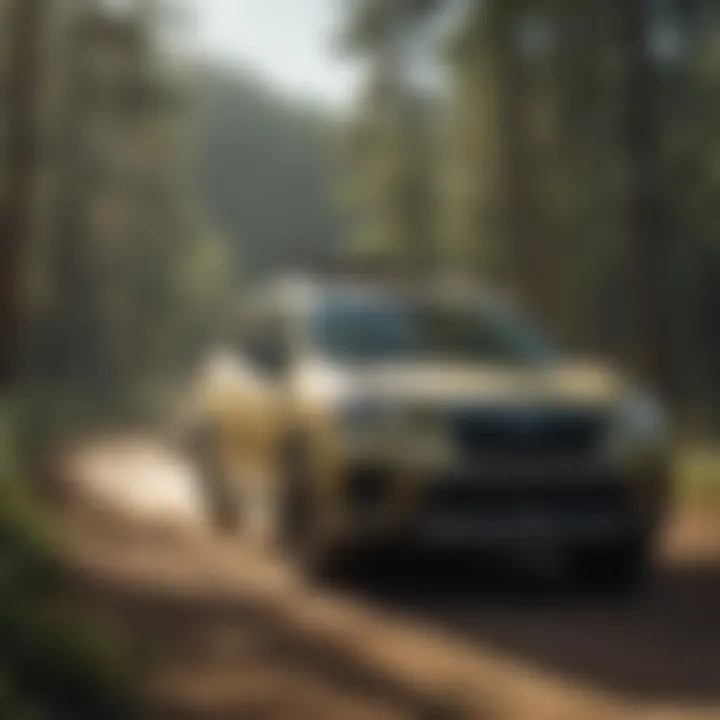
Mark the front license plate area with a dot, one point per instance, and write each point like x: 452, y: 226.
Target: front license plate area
x: 475, y: 512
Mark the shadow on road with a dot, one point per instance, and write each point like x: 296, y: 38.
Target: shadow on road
x: 219, y: 656
x: 661, y: 646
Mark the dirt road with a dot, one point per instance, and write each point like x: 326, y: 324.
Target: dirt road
x: 239, y: 636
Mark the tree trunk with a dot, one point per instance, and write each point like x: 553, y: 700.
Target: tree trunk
x: 647, y: 240
x: 23, y: 88
x: 529, y: 259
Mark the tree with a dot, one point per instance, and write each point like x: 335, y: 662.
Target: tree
x: 648, y: 242
x: 26, y: 20
x: 391, y: 153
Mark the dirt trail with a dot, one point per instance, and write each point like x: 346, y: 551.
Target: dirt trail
x: 239, y: 636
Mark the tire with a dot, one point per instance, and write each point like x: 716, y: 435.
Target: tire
x: 222, y: 501
x: 620, y: 568
x: 300, y: 535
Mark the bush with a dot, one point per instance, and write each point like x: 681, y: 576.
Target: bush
x: 54, y: 662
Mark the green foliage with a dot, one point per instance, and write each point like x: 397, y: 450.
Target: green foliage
x: 698, y: 472
x: 56, y: 663
x: 542, y: 180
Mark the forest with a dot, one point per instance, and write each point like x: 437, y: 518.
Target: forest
x: 568, y: 155
x: 564, y: 151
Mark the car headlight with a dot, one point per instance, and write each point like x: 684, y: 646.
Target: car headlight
x: 365, y: 420
x: 361, y: 416
x: 403, y: 429
x: 640, y: 424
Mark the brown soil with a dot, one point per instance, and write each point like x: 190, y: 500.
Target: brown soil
x: 236, y: 635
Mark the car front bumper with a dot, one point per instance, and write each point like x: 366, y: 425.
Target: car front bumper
x: 493, y: 506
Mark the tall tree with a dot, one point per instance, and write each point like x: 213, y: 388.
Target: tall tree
x: 648, y: 241
x: 391, y: 148
x: 26, y: 21
x: 494, y: 217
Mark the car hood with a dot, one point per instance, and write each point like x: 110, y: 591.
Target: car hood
x: 564, y: 383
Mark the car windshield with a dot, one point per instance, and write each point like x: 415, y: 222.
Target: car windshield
x: 365, y: 327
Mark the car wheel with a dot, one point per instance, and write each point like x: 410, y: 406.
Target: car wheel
x: 300, y: 533
x: 620, y: 567
x: 221, y: 498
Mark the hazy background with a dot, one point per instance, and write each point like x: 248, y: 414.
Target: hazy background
x: 287, y: 44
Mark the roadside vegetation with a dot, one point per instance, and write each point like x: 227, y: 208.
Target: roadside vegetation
x: 697, y: 473
x: 55, y: 661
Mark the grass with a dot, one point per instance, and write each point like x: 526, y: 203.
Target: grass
x: 55, y: 662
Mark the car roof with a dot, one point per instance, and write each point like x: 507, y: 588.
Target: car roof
x: 298, y: 292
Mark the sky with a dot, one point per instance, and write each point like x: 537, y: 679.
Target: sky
x: 288, y: 42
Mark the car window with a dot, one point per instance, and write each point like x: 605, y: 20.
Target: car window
x: 381, y: 328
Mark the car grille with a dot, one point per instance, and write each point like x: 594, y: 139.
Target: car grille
x: 520, y: 434
x: 475, y: 500
x: 367, y: 488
